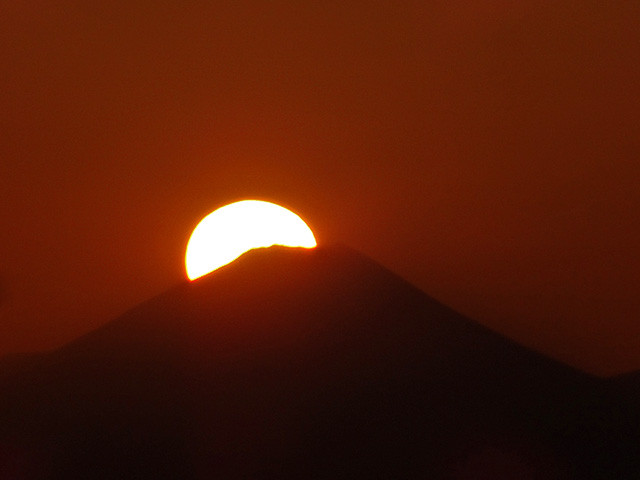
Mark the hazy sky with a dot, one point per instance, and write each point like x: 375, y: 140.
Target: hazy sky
x: 486, y: 151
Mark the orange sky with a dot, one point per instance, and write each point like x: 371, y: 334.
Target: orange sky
x: 486, y: 151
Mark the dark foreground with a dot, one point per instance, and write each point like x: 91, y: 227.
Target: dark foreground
x: 308, y: 365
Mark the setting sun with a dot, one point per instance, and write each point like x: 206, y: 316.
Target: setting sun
x: 225, y: 234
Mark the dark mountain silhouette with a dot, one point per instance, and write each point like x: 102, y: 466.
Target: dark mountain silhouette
x: 15, y: 363
x: 319, y: 364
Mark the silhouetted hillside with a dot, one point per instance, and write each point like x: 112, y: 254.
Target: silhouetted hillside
x: 293, y: 363
x: 16, y: 363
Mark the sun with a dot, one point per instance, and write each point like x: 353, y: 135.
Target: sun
x: 228, y: 232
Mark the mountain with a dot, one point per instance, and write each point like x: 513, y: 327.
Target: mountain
x: 319, y: 364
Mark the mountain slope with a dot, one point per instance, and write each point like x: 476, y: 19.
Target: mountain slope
x: 293, y: 363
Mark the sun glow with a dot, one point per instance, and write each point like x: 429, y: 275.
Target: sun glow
x: 225, y: 234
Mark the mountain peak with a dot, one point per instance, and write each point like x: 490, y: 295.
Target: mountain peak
x: 296, y: 363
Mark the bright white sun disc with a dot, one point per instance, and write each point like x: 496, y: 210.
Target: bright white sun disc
x: 225, y: 234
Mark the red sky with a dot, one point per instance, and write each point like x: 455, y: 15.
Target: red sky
x: 486, y: 151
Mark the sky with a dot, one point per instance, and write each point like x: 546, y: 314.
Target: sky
x: 485, y: 151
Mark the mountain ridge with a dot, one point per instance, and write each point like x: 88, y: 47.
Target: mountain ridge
x: 295, y: 363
